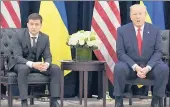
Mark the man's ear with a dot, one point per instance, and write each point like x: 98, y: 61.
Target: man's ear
x: 27, y: 25
x: 41, y: 26
x: 130, y: 17
x: 145, y: 12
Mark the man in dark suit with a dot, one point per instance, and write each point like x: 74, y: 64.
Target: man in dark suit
x: 139, y: 53
x: 31, y: 46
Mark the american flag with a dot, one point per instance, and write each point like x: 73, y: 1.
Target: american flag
x: 10, y: 14
x: 105, y: 21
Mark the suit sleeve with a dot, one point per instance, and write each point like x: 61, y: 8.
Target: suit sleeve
x: 120, y: 50
x: 17, y: 49
x: 47, y: 53
x: 157, y: 55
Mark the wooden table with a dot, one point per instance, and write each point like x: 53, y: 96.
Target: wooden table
x: 83, y: 67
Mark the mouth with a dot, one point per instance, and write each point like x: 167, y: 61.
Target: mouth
x: 138, y: 21
x: 33, y: 30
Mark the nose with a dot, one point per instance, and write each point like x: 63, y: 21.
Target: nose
x: 33, y: 26
x: 137, y: 16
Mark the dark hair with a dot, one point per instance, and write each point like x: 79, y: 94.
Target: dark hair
x: 34, y: 16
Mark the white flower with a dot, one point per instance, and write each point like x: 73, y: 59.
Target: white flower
x: 82, y: 38
x: 81, y: 42
x: 94, y: 43
x: 90, y: 43
x: 73, y: 41
x: 87, y: 34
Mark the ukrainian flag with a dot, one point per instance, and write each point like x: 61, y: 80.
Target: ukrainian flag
x: 155, y: 13
x: 55, y: 25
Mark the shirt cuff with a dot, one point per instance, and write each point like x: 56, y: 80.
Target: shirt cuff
x: 149, y: 67
x: 29, y: 63
x: 134, y: 66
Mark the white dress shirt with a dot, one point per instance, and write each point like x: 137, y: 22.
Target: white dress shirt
x: 141, y: 32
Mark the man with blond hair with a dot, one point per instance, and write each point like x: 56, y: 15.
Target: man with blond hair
x: 139, y: 56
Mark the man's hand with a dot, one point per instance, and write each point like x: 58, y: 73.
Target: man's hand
x: 37, y: 65
x: 138, y: 68
x: 45, y: 66
x: 41, y: 66
x: 140, y: 74
x: 145, y: 70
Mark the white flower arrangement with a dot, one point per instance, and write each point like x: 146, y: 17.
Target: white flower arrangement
x: 86, y: 39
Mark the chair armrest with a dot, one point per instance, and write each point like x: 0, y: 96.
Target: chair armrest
x: 5, y: 63
x: 2, y: 66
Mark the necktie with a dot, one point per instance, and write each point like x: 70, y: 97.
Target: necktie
x: 33, y: 43
x: 139, y: 39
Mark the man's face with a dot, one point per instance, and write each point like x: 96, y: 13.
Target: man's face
x: 138, y: 15
x: 34, y: 26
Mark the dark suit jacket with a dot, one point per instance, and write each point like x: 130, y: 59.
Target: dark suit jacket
x: 127, y: 48
x: 22, y: 46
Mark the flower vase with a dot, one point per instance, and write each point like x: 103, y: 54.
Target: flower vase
x: 83, y: 54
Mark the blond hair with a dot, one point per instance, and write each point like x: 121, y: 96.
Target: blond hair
x: 137, y: 5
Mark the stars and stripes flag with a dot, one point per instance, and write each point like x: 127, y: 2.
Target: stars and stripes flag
x: 10, y: 14
x: 105, y: 21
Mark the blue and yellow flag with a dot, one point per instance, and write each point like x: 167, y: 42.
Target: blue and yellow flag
x: 55, y: 25
x: 155, y: 12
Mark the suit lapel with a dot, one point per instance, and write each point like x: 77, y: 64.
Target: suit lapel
x: 146, y: 33
x: 134, y: 40
x: 28, y: 41
x: 39, y: 43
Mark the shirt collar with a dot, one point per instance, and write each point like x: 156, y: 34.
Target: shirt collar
x: 34, y: 36
x: 136, y: 28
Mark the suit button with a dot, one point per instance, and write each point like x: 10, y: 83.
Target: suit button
x: 2, y: 53
x: 6, y: 45
x: 10, y: 37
